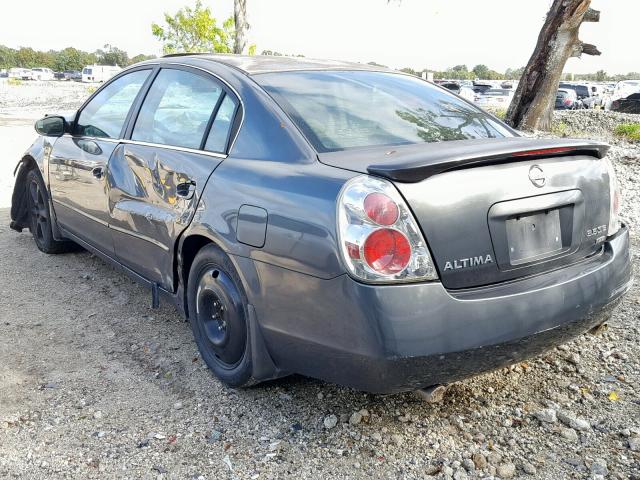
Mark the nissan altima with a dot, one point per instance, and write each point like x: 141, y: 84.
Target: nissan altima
x: 336, y: 220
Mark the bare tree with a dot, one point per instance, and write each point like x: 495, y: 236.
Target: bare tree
x: 532, y: 105
x: 240, y: 17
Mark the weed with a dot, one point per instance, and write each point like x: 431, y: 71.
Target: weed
x: 630, y: 131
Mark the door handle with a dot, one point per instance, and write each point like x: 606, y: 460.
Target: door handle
x: 186, y: 189
x: 98, y: 172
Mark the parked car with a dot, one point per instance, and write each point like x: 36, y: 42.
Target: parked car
x: 586, y: 95
x: 567, y: 99
x: 495, y: 98
x: 41, y: 73
x: 99, y: 73
x: 337, y: 220
x: 622, y: 90
x: 19, y: 73
x: 458, y: 89
x: 480, y: 88
x: 74, y: 75
x: 58, y: 75
x: 631, y: 104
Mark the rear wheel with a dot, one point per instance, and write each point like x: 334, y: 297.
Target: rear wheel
x: 218, y: 316
x: 40, y: 218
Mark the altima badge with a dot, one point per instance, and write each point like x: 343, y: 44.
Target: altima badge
x: 537, y: 176
x: 468, y: 262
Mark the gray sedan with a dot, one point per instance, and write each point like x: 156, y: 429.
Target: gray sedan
x: 336, y: 220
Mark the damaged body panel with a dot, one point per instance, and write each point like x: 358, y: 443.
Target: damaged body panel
x: 337, y: 220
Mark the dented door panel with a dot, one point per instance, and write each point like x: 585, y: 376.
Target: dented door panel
x: 153, y: 195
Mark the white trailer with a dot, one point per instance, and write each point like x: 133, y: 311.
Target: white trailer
x: 99, y: 73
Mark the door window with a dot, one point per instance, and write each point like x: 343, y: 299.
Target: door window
x: 105, y: 114
x: 219, y: 134
x: 177, y: 109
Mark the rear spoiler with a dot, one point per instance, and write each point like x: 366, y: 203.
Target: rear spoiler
x: 417, y: 162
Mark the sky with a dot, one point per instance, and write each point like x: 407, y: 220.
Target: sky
x: 433, y: 34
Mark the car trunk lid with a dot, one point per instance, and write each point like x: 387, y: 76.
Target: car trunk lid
x: 499, y: 209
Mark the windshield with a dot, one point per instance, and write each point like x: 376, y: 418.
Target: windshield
x: 337, y: 110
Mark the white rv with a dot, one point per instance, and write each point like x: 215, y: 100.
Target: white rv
x: 99, y: 73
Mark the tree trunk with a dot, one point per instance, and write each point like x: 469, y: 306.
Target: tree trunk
x: 240, y: 18
x: 533, y: 102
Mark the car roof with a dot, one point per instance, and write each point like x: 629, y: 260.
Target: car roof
x: 255, y: 64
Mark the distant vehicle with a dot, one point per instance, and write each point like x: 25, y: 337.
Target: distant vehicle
x: 20, y: 73
x: 99, y: 73
x: 621, y: 91
x: 464, y: 91
x: 567, y: 99
x: 481, y: 87
x: 58, y: 75
x: 41, y: 73
x: 588, y: 97
x: 75, y: 75
x: 4, y: 73
x: 495, y: 98
x: 630, y: 104
x: 507, y: 85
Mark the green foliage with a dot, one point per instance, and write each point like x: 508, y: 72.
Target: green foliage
x: 7, y: 57
x: 560, y: 128
x: 194, y: 30
x: 141, y: 58
x: 410, y: 71
x: 513, y: 73
x: 14, y: 82
x: 630, y: 131
x: 69, y: 58
x: 112, y: 56
x: 72, y: 59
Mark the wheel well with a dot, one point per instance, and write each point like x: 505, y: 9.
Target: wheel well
x: 190, y: 248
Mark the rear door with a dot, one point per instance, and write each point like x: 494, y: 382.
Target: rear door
x: 78, y: 162
x: 180, y: 135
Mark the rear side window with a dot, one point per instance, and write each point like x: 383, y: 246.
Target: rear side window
x: 177, y: 109
x: 105, y: 114
x: 221, y: 127
x: 337, y: 110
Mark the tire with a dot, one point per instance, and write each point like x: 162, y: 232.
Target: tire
x: 218, y: 316
x: 40, y: 216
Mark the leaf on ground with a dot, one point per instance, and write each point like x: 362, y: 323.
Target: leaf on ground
x: 613, y: 396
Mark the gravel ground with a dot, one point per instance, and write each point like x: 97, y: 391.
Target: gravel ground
x: 94, y: 384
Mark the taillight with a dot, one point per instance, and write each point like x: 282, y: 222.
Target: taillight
x: 379, y: 239
x: 567, y: 101
x: 614, y: 199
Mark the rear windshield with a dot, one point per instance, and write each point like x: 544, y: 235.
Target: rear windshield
x: 337, y: 110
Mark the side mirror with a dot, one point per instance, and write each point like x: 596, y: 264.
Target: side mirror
x: 51, y: 126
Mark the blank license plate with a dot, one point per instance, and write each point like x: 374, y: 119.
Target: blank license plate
x: 533, y: 237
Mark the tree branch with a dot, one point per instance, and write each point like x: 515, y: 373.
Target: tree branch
x: 586, y: 48
x: 591, y: 15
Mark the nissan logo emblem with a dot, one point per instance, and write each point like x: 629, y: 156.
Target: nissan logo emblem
x: 537, y: 176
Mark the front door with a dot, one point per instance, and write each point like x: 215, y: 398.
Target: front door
x: 78, y: 162
x: 155, y: 179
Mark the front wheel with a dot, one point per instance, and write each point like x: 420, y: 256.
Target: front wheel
x: 218, y: 315
x: 40, y: 217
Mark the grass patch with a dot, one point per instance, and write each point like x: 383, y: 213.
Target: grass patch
x: 630, y: 131
x: 14, y: 81
x: 560, y: 128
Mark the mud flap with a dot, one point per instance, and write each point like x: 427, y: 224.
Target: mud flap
x: 261, y: 361
x: 19, y: 205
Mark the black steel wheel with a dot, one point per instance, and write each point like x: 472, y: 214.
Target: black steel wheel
x: 39, y: 216
x: 218, y: 316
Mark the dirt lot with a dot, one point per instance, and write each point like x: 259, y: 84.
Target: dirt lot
x: 94, y: 384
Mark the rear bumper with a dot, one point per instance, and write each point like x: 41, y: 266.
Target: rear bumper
x: 393, y: 338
